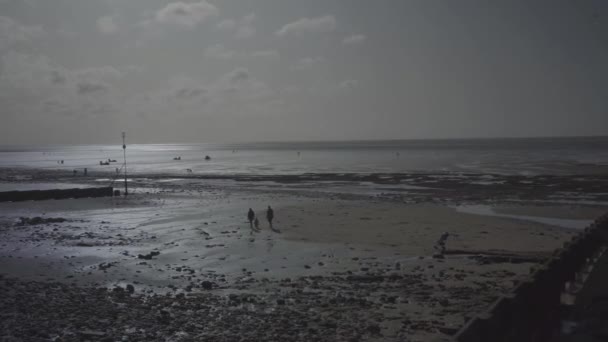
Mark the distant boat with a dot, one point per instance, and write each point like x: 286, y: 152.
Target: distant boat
x: 178, y: 158
x: 207, y: 158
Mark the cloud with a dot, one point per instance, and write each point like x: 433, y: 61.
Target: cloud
x: 270, y: 54
x: 34, y: 86
x: 88, y: 87
x: 307, y: 63
x: 186, y: 89
x: 235, y: 93
x: 349, y: 84
x: 13, y: 34
x: 242, y: 28
x: 218, y: 51
x: 189, y: 93
x: 227, y: 24
x: 106, y: 73
x: 354, y: 39
x: 107, y: 25
x: 237, y: 76
x: 58, y: 77
x: 186, y: 14
x: 321, y: 24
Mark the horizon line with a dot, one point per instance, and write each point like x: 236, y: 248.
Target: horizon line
x: 322, y: 140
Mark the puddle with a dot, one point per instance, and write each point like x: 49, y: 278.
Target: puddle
x: 486, y: 210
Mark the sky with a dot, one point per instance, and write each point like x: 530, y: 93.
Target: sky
x: 83, y: 71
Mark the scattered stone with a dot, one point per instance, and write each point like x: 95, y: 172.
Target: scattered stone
x: 374, y: 329
x: 148, y: 256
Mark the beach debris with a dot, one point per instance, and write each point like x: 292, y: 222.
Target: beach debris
x: 148, y: 256
x: 104, y: 266
x: 374, y: 329
x: 27, y: 221
x: 207, y: 285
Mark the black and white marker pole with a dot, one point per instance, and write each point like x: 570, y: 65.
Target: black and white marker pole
x: 124, y: 151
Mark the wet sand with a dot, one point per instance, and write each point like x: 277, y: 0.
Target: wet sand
x: 352, y: 265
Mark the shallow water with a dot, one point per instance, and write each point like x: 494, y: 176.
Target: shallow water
x: 504, y: 156
x: 486, y: 210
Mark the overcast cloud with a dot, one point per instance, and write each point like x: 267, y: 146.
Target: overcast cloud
x: 76, y: 71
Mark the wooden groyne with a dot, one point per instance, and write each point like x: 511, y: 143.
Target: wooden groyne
x: 531, y: 311
x: 40, y: 195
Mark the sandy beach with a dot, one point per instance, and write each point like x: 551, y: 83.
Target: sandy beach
x: 347, y: 260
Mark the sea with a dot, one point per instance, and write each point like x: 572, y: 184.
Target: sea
x: 517, y: 156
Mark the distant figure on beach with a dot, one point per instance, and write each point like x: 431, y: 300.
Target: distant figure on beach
x: 256, y: 223
x: 61, y: 161
x: 441, y: 242
x: 270, y: 216
x: 74, y: 172
x: 250, y: 217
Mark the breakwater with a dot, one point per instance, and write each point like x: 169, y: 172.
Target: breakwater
x: 532, y: 310
x: 40, y: 195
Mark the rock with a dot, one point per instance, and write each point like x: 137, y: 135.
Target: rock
x: 438, y: 256
x: 281, y: 301
x: 92, y: 333
x: 149, y: 255
x: 374, y: 329
x: 365, y: 278
x: 130, y: 288
x: 447, y: 330
x: 207, y: 285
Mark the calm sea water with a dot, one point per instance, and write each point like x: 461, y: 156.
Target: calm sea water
x: 504, y: 156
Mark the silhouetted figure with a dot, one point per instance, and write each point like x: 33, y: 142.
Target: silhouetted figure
x: 250, y: 217
x: 85, y: 171
x: 256, y: 223
x: 441, y: 242
x: 270, y: 216
x: 74, y: 172
x: 61, y: 161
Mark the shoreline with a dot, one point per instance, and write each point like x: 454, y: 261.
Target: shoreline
x: 345, y: 259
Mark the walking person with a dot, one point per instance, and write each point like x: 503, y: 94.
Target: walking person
x: 270, y: 216
x: 250, y: 217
